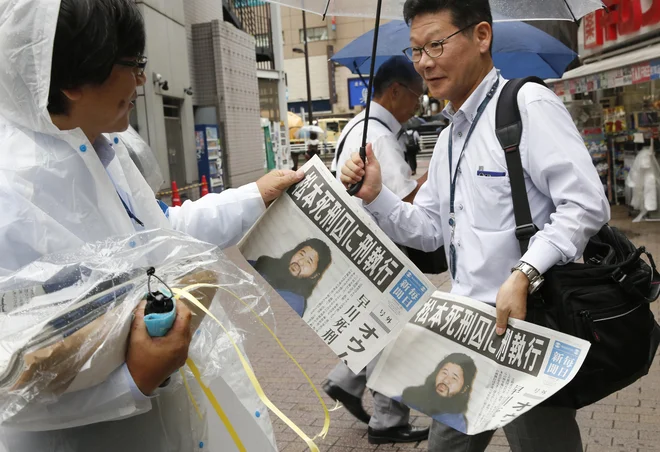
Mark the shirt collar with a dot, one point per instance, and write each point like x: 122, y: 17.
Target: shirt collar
x: 380, y: 112
x: 104, y: 150
x: 471, y: 105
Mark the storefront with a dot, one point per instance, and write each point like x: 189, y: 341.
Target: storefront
x: 614, y: 97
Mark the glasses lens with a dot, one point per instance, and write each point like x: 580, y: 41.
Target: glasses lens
x: 410, y: 53
x: 434, y: 49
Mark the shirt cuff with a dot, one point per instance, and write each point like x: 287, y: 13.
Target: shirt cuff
x: 384, y: 204
x: 135, y: 391
x: 542, y: 256
x: 253, y: 189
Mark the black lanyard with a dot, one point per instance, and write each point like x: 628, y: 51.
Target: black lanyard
x: 131, y: 215
x: 452, y: 180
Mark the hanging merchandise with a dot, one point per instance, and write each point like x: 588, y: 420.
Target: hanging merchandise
x: 644, y: 180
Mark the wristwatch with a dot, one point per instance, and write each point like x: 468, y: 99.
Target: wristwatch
x: 535, y: 278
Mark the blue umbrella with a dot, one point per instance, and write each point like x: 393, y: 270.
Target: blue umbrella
x: 519, y: 50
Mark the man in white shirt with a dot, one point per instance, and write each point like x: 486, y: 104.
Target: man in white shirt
x: 451, y: 48
x: 397, y: 88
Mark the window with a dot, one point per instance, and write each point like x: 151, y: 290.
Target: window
x: 262, y: 40
x: 314, y: 34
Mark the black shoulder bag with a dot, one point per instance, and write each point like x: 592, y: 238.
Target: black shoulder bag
x: 605, y: 300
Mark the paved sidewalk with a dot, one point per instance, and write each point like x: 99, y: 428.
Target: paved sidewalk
x: 628, y: 421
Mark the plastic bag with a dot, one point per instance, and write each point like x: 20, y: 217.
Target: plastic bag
x: 65, y: 320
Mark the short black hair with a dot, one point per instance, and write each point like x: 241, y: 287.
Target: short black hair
x: 91, y: 36
x: 463, y: 12
x: 397, y: 69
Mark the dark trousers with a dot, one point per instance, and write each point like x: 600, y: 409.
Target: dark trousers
x: 411, y: 159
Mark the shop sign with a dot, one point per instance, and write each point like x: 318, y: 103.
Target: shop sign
x: 655, y: 69
x: 623, y: 20
x: 641, y: 73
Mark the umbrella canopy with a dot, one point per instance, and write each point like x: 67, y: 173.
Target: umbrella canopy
x: 305, y: 131
x: 393, y: 9
x: 295, y: 123
x: 519, y: 50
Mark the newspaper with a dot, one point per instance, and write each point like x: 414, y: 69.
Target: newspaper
x: 448, y: 363
x: 328, y: 260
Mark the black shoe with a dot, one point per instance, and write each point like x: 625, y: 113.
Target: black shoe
x: 351, y: 403
x: 405, y: 434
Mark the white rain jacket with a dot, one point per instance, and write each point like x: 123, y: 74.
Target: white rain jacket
x: 644, y: 179
x: 56, y: 193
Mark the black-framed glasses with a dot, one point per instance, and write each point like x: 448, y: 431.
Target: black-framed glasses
x: 412, y: 90
x: 433, y: 49
x: 139, y: 64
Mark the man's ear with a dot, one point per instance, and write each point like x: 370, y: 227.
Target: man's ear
x: 395, y: 90
x: 484, y: 35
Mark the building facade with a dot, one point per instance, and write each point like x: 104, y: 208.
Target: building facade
x: 335, y: 90
x: 164, y: 114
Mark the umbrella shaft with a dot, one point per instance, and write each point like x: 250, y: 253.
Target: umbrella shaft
x: 371, y: 80
x: 309, y: 86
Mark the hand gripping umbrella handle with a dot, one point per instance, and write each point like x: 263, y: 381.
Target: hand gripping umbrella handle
x: 354, y: 189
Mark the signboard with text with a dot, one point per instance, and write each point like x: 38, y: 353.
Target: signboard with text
x: 624, y: 20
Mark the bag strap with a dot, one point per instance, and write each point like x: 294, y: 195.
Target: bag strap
x: 341, y: 145
x: 630, y: 286
x: 508, y: 128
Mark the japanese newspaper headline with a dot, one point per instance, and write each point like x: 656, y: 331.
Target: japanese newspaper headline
x: 330, y: 262
x: 451, y: 365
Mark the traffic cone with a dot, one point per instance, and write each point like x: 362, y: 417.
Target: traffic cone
x: 205, y: 187
x: 176, y: 199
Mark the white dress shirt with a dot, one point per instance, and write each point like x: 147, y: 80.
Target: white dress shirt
x: 397, y: 175
x: 566, y: 196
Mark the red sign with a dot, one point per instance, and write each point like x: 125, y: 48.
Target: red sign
x: 641, y: 73
x: 623, y: 18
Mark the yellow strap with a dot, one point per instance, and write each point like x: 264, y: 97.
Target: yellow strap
x: 218, y: 409
x: 326, y: 412
x: 246, y: 366
x: 190, y: 394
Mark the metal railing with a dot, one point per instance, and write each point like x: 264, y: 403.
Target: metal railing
x: 255, y: 18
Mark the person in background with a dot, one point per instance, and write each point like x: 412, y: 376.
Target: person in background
x: 412, y: 149
x: 466, y: 202
x: 397, y: 88
x: 71, y: 69
x: 312, y: 145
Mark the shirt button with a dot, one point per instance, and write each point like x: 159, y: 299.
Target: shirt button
x: 116, y: 140
x: 83, y: 148
x: 460, y: 134
x: 460, y: 207
x: 457, y: 281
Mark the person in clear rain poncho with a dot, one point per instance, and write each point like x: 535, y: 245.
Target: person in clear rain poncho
x: 69, y: 70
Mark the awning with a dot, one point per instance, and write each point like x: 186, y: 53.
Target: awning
x: 614, y: 62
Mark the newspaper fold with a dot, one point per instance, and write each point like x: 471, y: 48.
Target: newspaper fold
x: 326, y: 257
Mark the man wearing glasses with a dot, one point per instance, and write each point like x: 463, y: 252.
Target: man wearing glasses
x: 466, y: 203
x: 397, y: 89
x: 70, y: 71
